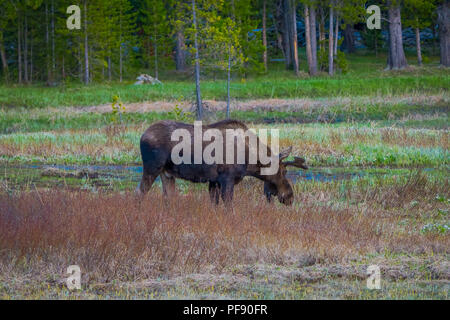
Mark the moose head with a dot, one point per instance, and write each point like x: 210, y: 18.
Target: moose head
x: 278, y: 185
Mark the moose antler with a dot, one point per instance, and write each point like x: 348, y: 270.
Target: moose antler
x: 298, y: 162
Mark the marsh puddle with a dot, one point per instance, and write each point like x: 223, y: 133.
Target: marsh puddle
x: 127, y: 177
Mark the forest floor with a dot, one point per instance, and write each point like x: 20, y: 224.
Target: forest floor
x: 377, y: 192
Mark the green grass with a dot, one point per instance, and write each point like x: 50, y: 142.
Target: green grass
x: 38, y: 97
x: 22, y: 120
x: 322, y: 145
x: 365, y: 80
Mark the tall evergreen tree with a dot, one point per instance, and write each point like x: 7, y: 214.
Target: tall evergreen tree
x: 416, y: 14
x: 156, y: 29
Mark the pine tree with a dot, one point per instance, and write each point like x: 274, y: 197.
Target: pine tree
x: 156, y: 29
x: 351, y: 12
x: 179, y: 21
x: 416, y: 14
x: 125, y: 28
x: 8, y: 13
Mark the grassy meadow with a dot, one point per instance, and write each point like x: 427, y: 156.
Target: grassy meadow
x: 380, y: 139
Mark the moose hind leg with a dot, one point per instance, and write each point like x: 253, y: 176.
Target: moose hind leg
x: 168, y: 184
x: 153, y: 160
x: 149, y: 175
x: 145, y: 184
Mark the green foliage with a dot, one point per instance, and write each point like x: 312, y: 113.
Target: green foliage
x: 179, y: 114
x: 435, y: 228
x: 341, y: 62
x: 125, y: 37
x: 372, y: 39
x: 117, y: 110
x: 155, y: 25
x: 443, y: 199
x: 352, y: 11
x: 247, y: 16
x: 322, y: 55
x: 418, y: 13
x: 220, y: 40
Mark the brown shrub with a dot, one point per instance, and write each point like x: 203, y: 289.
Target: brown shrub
x: 112, y: 236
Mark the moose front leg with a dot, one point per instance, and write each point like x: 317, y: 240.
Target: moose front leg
x: 214, y: 191
x: 227, y: 190
x: 269, y: 191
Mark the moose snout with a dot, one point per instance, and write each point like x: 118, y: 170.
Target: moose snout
x: 286, y: 199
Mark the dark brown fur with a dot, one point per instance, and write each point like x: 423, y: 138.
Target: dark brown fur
x: 156, y: 147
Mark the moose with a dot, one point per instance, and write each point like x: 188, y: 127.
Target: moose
x: 156, y: 146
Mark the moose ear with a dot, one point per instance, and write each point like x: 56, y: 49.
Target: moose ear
x: 285, y: 153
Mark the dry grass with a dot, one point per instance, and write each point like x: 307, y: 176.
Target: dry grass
x: 113, y: 237
x: 259, y: 104
x: 405, y: 137
x: 323, y: 144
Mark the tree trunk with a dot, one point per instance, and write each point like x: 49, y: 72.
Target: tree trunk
x: 80, y: 60
x: 109, y: 68
x: 47, y: 45
x: 312, y: 29
x: 156, y: 60
x: 63, y: 69
x: 418, y: 49
x: 294, y: 37
x: 397, y: 59
x: 228, y: 83
x: 336, y: 36
x: 435, y: 30
x: 120, y: 49
x: 349, y: 40
x: 53, y: 39
x: 4, y: 60
x: 286, y: 35
x: 19, y: 47
x: 156, y: 52
x: 31, y: 59
x: 330, y: 44
x: 376, y: 47
x: 120, y: 62
x: 197, y: 65
x: 308, y: 39
x: 180, y: 56
x: 275, y: 19
x: 25, y: 49
x: 321, y: 28
x: 443, y: 12
x: 264, y: 35
x: 86, y: 42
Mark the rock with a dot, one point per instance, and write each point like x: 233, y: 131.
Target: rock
x: 146, y: 79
